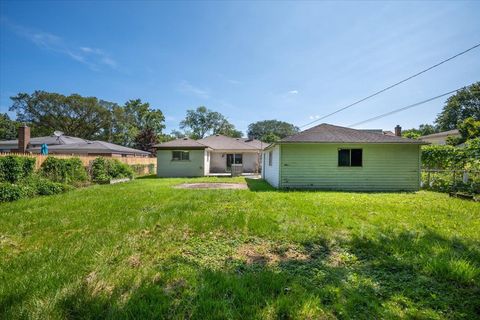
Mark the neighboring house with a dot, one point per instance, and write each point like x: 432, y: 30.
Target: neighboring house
x: 58, y: 143
x: 441, y: 137
x: 337, y: 158
x: 212, y: 155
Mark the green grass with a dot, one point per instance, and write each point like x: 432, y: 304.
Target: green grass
x: 146, y: 250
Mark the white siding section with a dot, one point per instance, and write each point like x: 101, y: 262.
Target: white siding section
x: 272, y: 173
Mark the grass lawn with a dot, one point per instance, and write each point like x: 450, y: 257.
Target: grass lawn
x: 146, y: 250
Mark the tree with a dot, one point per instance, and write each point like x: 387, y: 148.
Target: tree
x: 87, y: 117
x: 74, y: 115
x: 8, y: 128
x: 270, y: 138
x: 268, y: 128
x: 201, y: 122
x: 423, y: 130
x: 133, y: 118
x: 469, y: 129
x: 462, y: 105
x: 146, y: 139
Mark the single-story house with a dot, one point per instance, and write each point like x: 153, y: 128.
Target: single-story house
x: 337, y: 158
x: 212, y: 155
x: 440, y: 138
x: 58, y: 143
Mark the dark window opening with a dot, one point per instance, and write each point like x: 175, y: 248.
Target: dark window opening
x: 180, y: 155
x: 349, y: 157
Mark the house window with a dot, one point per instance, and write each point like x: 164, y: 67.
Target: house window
x: 349, y: 157
x: 238, y: 159
x: 270, y: 158
x: 180, y: 155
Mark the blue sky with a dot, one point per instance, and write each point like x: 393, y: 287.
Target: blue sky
x: 291, y: 61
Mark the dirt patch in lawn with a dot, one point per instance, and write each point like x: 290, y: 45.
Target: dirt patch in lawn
x: 267, y: 254
x: 208, y: 185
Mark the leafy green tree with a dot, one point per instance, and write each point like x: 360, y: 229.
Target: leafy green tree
x: 270, y: 138
x: 469, y: 129
x: 201, y: 122
x: 462, y: 105
x: 268, y: 129
x: 8, y: 128
x: 423, y: 130
x: 88, y: 117
x: 130, y: 120
x: 75, y: 115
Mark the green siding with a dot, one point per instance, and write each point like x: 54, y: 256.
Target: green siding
x: 385, y: 167
x: 191, y: 168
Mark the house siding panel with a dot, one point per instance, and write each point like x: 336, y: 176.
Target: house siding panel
x: 385, y: 167
x: 195, y: 167
x: 272, y: 173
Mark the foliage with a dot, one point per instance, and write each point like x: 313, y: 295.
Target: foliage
x: 16, y: 168
x: 462, y: 105
x: 8, y: 128
x: 74, y: 115
x: 132, y: 121
x: 201, y: 122
x: 103, y: 170
x: 30, y: 187
x: 271, y: 130
x: 146, y: 139
x: 69, y: 170
x: 86, y: 117
x: 150, y: 250
x: 270, y: 138
x: 423, y: 130
x: 141, y: 169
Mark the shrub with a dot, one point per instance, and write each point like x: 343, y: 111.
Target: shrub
x: 15, y: 168
x: 103, y: 170
x: 64, y: 170
x: 151, y: 168
x: 10, y: 192
x: 31, y: 187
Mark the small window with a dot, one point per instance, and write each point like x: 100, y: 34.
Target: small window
x: 237, y: 159
x: 270, y: 158
x: 180, y: 155
x: 349, y: 157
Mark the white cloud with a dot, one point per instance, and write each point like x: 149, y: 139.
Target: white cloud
x: 187, y: 88
x: 314, y: 117
x: 94, y: 58
x: 293, y: 92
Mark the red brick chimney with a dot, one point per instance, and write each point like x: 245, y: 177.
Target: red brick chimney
x: 23, y: 138
x: 398, y: 131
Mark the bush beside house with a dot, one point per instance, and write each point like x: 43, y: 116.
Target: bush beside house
x: 452, y: 169
x: 18, y: 178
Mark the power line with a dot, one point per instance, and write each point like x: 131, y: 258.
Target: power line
x: 404, y: 108
x: 393, y: 85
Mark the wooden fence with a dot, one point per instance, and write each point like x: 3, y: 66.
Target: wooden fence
x: 86, y: 160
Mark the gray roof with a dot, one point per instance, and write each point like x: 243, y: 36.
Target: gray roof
x: 327, y: 133
x: 453, y: 132
x: 49, y: 140
x: 215, y: 142
x: 255, y: 143
x: 181, y: 143
x: 219, y: 142
x: 93, y: 147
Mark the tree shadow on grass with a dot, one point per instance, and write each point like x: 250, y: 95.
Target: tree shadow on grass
x: 395, y: 275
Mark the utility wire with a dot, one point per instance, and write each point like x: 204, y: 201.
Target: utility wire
x: 393, y: 85
x: 404, y: 108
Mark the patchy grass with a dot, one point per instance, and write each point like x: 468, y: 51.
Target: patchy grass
x: 146, y: 250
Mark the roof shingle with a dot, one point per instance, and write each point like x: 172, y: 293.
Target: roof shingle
x: 328, y: 133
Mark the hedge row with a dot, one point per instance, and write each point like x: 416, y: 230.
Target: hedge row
x: 14, y: 168
x: 18, y: 178
x: 104, y: 170
x: 449, y: 157
x: 31, y: 187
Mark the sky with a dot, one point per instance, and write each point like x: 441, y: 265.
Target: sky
x: 251, y: 61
